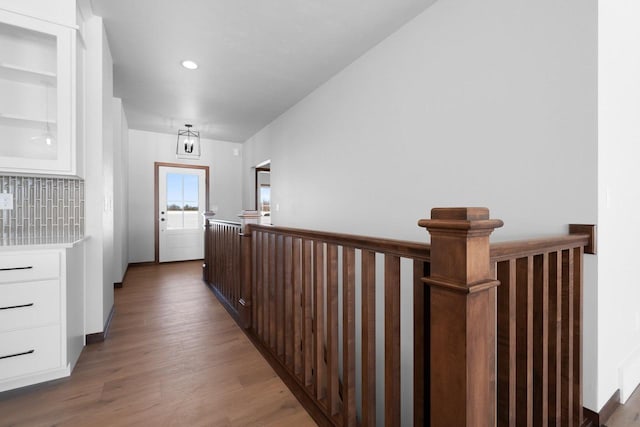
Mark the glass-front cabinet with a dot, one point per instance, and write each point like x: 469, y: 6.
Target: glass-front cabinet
x: 37, y: 96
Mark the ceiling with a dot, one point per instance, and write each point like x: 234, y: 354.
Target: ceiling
x: 257, y: 58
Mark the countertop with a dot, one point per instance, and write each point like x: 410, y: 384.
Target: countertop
x: 29, y: 243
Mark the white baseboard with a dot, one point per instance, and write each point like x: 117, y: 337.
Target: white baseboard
x: 629, y: 375
x: 31, y: 379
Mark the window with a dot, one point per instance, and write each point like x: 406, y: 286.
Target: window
x: 182, y: 201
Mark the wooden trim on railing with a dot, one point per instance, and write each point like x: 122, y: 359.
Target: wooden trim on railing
x: 401, y: 248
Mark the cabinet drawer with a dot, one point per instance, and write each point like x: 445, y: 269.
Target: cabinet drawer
x: 29, y: 304
x: 29, y: 351
x: 24, y: 267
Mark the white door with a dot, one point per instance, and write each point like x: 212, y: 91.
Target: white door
x: 182, y: 199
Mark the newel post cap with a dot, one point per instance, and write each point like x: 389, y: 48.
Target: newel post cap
x: 248, y: 217
x: 249, y: 214
x: 208, y: 214
x: 467, y: 218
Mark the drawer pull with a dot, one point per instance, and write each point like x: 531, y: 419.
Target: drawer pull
x: 16, y: 306
x: 24, y: 353
x: 16, y: 268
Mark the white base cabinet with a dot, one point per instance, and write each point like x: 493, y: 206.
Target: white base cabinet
x: 41, y: 312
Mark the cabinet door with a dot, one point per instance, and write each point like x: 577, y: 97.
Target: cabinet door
x: 59, y: 11
x: 37, y: 115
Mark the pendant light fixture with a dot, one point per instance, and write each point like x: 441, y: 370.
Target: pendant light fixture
x: 188, y: 145
x: 48, y: 137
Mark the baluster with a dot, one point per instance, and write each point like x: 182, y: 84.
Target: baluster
x: 256, y: 272
x: 392, y: 341
x: 555, y: 339
x: 272, y: 293
x: 420, y: 343
x: 229, y: 274
x: 280, y: 300
x: 224, y: 279
x: 524, y: 341
x: 307, y: 312
x: 298, y: 314
x: 348, y: 336
x: 567, y: 338
x: 225, y: 261
x: 541, y: 340
x: 332, y: 329
x: 318, y: 320
x: 235, y: 269
x: 506, y: 274
x: 368, y: 338
x: 266, y: 254
x: 577, y: 334
x: 246, y: 303
x: 288, y: 304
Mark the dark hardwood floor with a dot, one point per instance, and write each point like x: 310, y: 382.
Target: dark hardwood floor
x: 627, y: 415
x: 174, y: 357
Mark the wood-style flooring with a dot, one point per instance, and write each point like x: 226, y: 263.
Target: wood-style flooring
x: 627, y: 415
x: 174, y: 357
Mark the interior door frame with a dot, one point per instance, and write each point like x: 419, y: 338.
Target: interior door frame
x: 156, y: 198
x: 256, y: 186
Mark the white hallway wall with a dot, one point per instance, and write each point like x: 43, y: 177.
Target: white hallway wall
x: 145, y: 148
x: 98, y: 177
x: 619, y: 197
x: 472, y: 103
x: 120, y: 187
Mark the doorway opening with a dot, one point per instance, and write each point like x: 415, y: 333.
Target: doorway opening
x: 181, y: 196
x: 263, y: 191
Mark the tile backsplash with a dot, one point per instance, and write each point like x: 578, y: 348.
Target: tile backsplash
x: 45, y: 210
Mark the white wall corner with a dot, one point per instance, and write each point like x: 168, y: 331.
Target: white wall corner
x: 629, y: 374
x: 84, y: 7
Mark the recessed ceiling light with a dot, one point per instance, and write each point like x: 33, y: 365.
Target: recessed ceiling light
x: 189, y: 65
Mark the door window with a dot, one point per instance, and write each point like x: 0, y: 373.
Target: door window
x: 182, y: 201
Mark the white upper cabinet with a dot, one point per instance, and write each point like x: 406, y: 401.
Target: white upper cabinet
x: 57, y: 11
x: 37, y: 96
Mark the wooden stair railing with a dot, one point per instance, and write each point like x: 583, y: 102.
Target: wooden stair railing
x: 539, y: 314
x: 222, y: 262
x: 503, y: 319
x: 301, y: 278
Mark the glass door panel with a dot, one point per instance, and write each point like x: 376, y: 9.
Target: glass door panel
x: 28, y: 82
x: 182, y: 201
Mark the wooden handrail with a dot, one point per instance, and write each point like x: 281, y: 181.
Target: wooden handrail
x: 224, y: 221
x: 401, y: 248
x: 502, y: 251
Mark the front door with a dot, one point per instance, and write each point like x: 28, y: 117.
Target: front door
x: 181, y: 202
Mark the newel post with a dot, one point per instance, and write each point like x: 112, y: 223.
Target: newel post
x: 246, y: 219
x: 208, y: 237
x: 463, y: 317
